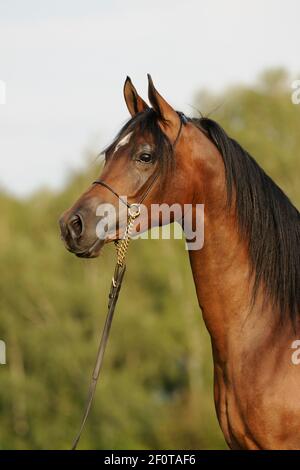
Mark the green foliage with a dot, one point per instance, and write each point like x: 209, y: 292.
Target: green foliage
x: 156, y: 387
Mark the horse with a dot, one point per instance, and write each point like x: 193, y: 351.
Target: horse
x: 246, y: 274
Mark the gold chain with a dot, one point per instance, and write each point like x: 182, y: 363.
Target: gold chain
x: 122, y: 245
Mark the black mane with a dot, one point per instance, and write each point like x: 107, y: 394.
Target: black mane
x: 266, y: 217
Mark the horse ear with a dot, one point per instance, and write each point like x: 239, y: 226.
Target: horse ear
x: 169, y: 119
x: 134, y: 102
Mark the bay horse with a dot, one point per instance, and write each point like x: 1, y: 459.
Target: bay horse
x: 247, y: 272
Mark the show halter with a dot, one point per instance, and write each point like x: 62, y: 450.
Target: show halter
x: 133, y: 211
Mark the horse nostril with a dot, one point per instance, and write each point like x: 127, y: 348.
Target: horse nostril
x: 76, y: 226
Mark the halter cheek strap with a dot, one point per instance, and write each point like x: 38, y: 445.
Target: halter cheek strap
x: 107, y: 186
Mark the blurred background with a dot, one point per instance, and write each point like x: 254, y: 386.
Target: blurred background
x: 64, y: 64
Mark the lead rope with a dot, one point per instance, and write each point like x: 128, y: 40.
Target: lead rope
x: 121, y: 249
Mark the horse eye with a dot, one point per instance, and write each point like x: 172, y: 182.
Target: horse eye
x: 145, y: 158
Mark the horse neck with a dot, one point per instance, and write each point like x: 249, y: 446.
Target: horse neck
x: 222, y: 270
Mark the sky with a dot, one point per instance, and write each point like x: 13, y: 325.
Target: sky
x: 64, y: 64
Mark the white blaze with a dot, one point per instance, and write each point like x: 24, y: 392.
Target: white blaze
x: 123, y: 141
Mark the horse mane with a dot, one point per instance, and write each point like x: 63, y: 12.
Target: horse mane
x: 266, y: 218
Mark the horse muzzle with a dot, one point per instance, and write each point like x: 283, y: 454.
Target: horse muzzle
x: 78, y: 236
